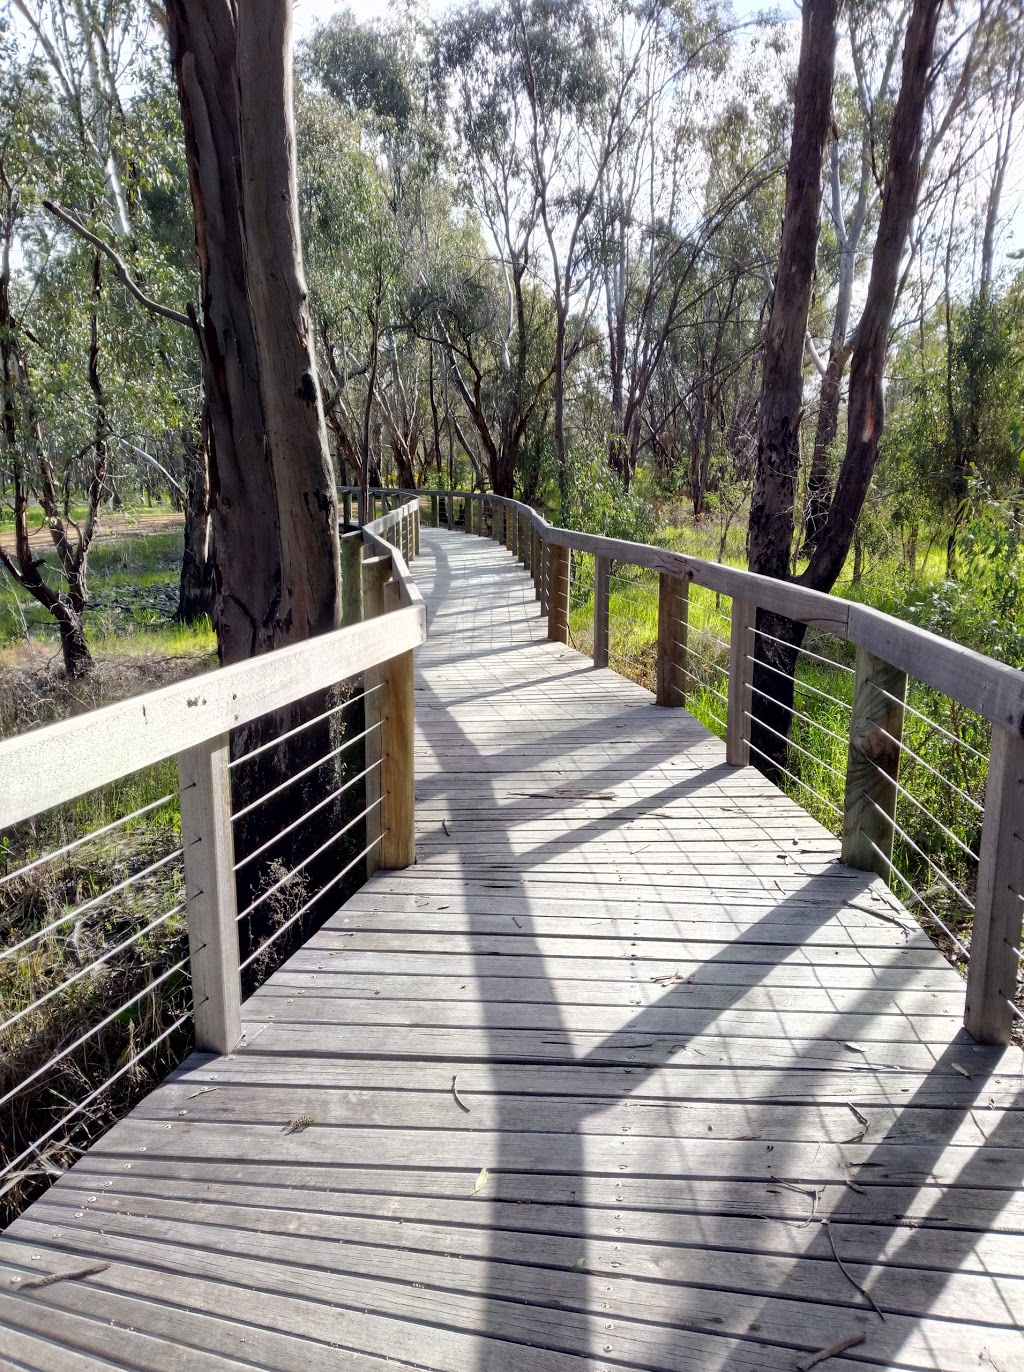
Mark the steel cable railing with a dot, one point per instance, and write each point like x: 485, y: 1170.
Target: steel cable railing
x: 100, y: 962
x: 902, y: 781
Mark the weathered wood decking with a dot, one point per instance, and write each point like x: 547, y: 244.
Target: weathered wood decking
x: 681, y: 1038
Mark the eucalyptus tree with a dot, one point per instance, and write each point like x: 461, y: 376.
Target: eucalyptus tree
x: 390, y: 206
x: 87, y: 380
x: 772, y: 509
x: 275, y: 506
x: 690, y: 214
x: 491, y: 313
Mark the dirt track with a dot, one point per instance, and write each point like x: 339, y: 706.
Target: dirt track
x: 112, y: 526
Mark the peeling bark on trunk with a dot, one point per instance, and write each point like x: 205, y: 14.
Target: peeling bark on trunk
x: 273, y: 502
x: 781, y: 409
x: 775, y: 668
x: 866, y: 416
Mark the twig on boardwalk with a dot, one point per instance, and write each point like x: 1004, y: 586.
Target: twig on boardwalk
x: 78, y: 1273
x: 832, y: 1351
x: 455, y: 1094
x: 862, y: 1120
x: 812, y: 1191
x: 849, y: 1275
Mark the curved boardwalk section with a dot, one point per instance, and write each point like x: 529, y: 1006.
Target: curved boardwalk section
x: 627, y: 1071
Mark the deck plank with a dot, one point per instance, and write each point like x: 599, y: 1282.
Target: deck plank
x: 682, y: 1038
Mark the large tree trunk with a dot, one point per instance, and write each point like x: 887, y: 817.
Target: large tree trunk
x: 775, y: 668
x: 866, y: 416
x: 273, y: 499
x: 292, y: 410
x: 781, y: 409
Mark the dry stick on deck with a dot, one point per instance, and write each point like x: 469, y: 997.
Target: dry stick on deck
x: 848, y: 1274
x: 37, y: 1282
x: 812, y: 1191
x: 832, y: 1351
x: 455, y: 1094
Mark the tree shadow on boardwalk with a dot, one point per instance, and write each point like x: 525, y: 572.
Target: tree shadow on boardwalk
x: 905, y: 1201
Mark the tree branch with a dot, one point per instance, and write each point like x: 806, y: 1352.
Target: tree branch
x: 154, y: 306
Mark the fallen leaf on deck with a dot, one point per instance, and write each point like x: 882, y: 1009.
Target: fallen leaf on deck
x: 481, y: 1181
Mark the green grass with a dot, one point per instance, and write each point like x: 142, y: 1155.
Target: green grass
x: 133, y: 596
x: 33, y: 900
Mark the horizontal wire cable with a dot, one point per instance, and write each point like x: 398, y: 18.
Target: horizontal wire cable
x: 932, y: 723
x: 251, y: 857
x: 94, y: 834
x: 290, y: 733
x: 276, y: 790
x: 1014, y: 1008
x: 96, y: 962
x: 800, y: 714
x: 820, y: 762
x: 92, y: 903
x: 272, y: 890
x: 695, y: 652
x: 706, y: 686
x: 946, y: 881
x: 920, y: 900
x: 312, y: 901
x: 902, y: 790
x: 701, y: 657
x: 934, y: 771
x: 801, y: 685
x: 828, y: 661
x: 84, y: 1038
x: 93, y: 1095
x: 793, y: 777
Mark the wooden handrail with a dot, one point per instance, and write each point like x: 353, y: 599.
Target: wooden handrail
x: 990, y: 688
x: 191, y: 721
x: 888, y: 651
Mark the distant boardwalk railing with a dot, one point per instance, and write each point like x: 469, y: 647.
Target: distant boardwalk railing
x: 368, y: 664
x: 902, y: 779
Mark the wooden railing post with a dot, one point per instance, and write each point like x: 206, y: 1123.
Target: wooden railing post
x: 397, y: 769
x: 673, y: 617
x: 526, y: 544
x: 741, y: 675
x: 558, y: 594
x: 498, y: 525
x: 545, y: 575
x: 434, y: 521
x: 996, y: 934
x: 209, y: 859
x: 351, y: 578
x: 535, y: 559
x: 602, y: 596
x: 346, y: 506
x: 873, y: 764
x: 376, y: 571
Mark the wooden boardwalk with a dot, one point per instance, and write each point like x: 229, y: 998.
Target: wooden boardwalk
x: 627, y: 1071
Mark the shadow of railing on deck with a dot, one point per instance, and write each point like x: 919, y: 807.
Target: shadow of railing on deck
x: 880, y: 1172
